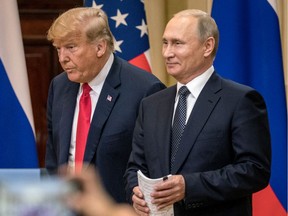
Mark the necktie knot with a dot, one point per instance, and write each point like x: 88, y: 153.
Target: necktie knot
x: 184, y: 91
x: 86, y: 89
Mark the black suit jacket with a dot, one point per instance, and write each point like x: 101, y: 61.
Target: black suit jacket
x: 225, y: 148
x: 110, y: 137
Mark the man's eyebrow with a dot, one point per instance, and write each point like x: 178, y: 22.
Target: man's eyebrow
x: 173, y: 40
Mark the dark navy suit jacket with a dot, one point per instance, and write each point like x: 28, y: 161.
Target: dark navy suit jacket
x: 110, y: 137
x: 224, y: 153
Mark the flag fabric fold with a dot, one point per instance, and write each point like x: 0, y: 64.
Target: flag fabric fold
x: 127, y: 21
x: 250, y: 53
x: 17, y: 142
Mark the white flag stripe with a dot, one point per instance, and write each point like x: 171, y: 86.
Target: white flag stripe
x: 147, y: 55
x: 273, y: 4
x: 12, y: 55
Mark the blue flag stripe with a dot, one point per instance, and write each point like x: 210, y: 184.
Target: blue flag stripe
x: 17, y: 139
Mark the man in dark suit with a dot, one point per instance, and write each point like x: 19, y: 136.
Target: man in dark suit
x: 85, y: 49
x: 224, y: 152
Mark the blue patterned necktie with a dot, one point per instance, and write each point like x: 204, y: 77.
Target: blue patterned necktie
x: 179, y: 122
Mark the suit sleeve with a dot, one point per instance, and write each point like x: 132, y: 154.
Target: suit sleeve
x: 50, y: 160
x: 250, y: 169
x: 136, y: 160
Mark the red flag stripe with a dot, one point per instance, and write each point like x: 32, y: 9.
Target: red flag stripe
x: 266, y: 203
x: 141, y: 62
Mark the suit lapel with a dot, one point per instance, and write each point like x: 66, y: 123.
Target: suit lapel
x: 165, y: 112
x: 66, y: 121
x: 107, y: 99
x: 203, y: 107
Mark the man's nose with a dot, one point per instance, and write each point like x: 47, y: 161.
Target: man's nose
x: 167, y: 51
x: 63, y: 55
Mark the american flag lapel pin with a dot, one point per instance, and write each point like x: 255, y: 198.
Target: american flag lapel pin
x: 109, y: 98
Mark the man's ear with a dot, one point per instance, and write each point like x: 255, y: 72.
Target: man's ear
x: 209, y: 46
x: 101, y: 48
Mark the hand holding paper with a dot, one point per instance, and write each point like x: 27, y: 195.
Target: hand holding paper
x: 147, y: 186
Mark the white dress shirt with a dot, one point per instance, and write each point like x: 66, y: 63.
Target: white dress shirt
x: 195, y: 87
x: 96, y: 84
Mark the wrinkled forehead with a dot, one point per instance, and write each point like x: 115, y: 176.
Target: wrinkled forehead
x: 183, y: 22
x: 182, y: 26
x: 70, y: 38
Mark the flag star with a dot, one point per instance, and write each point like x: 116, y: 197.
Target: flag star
x: 117, y: 45
x: 120, y: 18
x: 94, y: 5
x: 142, y: 1
x: 143, y: 28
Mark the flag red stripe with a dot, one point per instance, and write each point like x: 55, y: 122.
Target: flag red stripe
x: 141, y: 62
x: 266, y: 203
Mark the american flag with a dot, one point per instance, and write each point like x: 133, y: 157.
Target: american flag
x: 127, y: 21
x: 109, y: 98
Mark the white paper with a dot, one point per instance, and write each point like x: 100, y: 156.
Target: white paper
x: 146, y: 185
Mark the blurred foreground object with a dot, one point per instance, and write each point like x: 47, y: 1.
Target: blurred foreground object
x: 91, y: 198
x: 25, y: 192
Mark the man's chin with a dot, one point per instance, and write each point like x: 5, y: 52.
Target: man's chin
x: 172, y: 71
x: 74, y: 78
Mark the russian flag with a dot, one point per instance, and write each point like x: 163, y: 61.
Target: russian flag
x: 17, y: 139
x: 127, y: 21
x: 250, y: 53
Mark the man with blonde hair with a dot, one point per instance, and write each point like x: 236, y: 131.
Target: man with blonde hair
x: 92, y: 106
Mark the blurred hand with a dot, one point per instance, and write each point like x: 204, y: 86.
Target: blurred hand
x: 91, y: 199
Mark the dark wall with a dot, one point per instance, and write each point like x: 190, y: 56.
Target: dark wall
x: 36, y: 16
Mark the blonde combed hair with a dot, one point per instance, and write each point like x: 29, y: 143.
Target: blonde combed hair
x: 92, y: 22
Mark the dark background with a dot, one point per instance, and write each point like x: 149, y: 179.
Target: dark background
x: 36, y: 16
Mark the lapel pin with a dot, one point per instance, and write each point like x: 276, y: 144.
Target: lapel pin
x: 109, y: 98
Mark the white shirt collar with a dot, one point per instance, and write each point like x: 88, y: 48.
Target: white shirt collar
x: 97, y: 83
x: 196, y: 85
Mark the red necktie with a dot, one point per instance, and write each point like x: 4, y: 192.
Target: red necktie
x: 82, y: 126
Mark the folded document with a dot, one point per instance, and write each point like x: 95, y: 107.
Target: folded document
x: 146, y: 185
